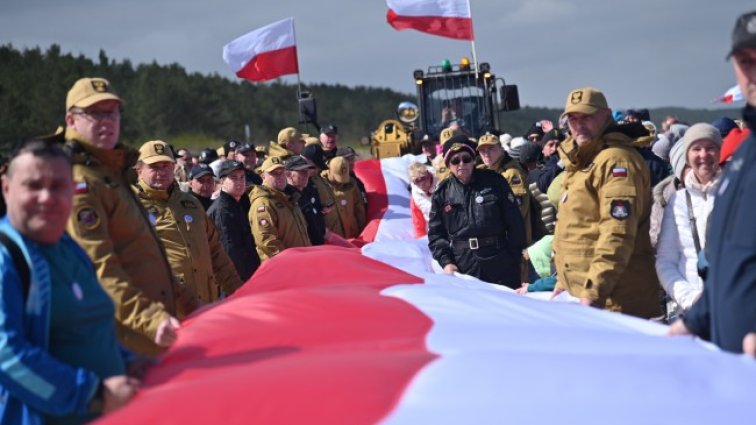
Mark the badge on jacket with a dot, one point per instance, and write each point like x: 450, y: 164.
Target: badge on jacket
x: 87, y: 218
x: 620, y: 209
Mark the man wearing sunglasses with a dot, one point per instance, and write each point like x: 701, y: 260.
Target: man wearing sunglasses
x: 475, y: 224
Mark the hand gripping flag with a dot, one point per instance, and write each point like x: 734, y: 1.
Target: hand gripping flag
x: 445, y: 18
x: 265, y: 53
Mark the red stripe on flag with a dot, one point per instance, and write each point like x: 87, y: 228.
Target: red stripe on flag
x: 369, y: 171
x: 309, y: 339
x: 451, y: 27
x: 272, y: 64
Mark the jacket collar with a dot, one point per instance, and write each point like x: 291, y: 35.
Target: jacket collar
x: 118, y: 158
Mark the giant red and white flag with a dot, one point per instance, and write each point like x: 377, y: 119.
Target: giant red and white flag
x: 732, y: 95
x: 265, y: 53
x: 446, y: 18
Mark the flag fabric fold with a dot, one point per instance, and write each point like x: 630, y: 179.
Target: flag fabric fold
x: 732, y: 95
x: 265, y: 53
x: 445, y: 18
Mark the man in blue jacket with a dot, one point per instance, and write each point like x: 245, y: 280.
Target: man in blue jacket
x: 726, y: 312
x: 59, y: 357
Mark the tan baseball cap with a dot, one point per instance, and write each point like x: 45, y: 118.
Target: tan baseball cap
x: 446, y: 134
x: 288, y: 135
x: 586, y: 100
x: 338, y: 170
x: 488, y: 139
x: 312, y: 141
x: 155, y: 151
x: 88, y: 91
x: 271, y: 163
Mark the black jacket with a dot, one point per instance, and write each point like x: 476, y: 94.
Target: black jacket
x: 235, y: 234
x: 551, y: 169
x: 206, y: 202
x: 309, y: 203
x: 483, y: 209
x: 726, y: 311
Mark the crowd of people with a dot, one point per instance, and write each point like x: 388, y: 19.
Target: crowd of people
x: 626, y: 218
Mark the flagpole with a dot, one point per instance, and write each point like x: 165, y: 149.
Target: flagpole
x: 472, y: 42
x: 299, y: 80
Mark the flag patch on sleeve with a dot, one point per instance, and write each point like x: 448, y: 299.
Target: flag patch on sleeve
x: 619, y: 172
x: 81, y: 187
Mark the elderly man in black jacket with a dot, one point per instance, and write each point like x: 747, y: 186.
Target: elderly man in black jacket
x: 475, y: 224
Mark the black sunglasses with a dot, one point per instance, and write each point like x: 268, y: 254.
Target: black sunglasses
x: 465, y: 159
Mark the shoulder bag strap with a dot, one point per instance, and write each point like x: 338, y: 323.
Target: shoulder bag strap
x: 692, y: 218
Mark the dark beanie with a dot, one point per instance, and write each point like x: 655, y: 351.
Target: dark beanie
x: 457, y: 143
x: 529, y: 153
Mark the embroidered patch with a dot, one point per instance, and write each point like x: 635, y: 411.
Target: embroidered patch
x: 516, y: 180
x: 87, y: 217
x: 620, y: 209
x: 81, y: 188
x: 188, y: 204
x: 619, y: 172
x: 261, y: 208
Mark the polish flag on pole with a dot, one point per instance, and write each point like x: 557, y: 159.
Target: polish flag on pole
x: 445, y: 18
x: 732, y: 95
x: 265, y: 53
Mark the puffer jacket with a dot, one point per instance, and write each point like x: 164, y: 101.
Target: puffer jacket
x: 676, y: 256
x: 661, y: 194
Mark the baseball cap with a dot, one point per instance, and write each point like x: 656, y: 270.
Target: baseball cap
x: 346, y: 152
x: 271, y: 163
x: 328, y: 129
x: 246, y: 147
x: 230, y: 145
x: 586, y: 100
x: 298, y: 163
x: 488, y: 139
x: 88, y: 91
x: 744, y: 33
x: 314, y: 152
x: 447, y: 134
x: 200, y: 170
x: 287, y: 135
x: 338, y: 170
x: 155, y: 151
x: 228, y: 167
x: 207, y: 156
x: 312, y: 140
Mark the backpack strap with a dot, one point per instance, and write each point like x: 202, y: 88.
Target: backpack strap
x: 22, y: 267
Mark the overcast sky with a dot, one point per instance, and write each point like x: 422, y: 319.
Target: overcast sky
x: 641, y: 53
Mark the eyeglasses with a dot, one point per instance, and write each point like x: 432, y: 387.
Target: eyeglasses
x: 98, y: 115
x: 465, y: 159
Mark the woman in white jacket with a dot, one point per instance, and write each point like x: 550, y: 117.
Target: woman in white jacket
x: 683, y: 230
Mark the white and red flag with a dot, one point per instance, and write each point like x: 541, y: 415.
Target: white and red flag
x: 732, y: 95
x: 265, y: 53
x: 445, y: 18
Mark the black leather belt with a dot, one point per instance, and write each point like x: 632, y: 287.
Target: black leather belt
x: 476, y: 243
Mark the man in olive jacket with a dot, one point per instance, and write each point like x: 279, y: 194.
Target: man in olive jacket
x: 191, y: 239
x: 602, y: 247
x: 111, y: 225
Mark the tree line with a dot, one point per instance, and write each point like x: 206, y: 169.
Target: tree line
x: 195, y: 110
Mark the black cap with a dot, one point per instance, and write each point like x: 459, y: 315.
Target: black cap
x: 314, y: 152
x: 744, y: 33
x: 246, y: 147
x: 200, y: 170
x: 298, y: 163
x: 230, y: 145
x: 455, y: 144
x: 329, y: 128
x: 529, y: 152
x: 346, y: 152
x: 207, y: 156
x: 227, y: 167
x: 554, y: 134
x: 534, y: 129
